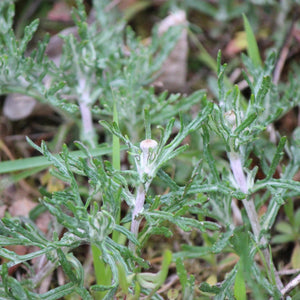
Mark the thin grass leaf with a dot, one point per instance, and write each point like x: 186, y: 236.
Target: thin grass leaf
x: 147, y: 124
x: 239, y: 284
x: 181, y: 272
x: 41, y: 162
x: 221, y: 74
x: 252, y: 46
x: 116, y: 162
x: 192, y: 252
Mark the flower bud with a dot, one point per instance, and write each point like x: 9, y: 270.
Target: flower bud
x: 147, y: 146
x: 230, y: 119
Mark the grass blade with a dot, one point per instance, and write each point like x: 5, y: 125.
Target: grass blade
x: 252, y: 47
x: 42, y: 162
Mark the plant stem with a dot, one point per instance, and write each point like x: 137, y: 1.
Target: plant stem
x: 88, y: 133
x: 116, y: 162
x: 101, y: 270
x: 239, y: 175
x: 291, y: 285
x: 135, y: 221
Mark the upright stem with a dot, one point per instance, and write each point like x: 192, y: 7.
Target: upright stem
x: 135, y: 221
x: 145, y: 167
x: 102, y: 271
x: 116, y: 162
x: 87, y: 130
x: 88, y: 133
x: 239, y: 175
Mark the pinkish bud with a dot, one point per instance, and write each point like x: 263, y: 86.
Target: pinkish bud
x: 147, y: 147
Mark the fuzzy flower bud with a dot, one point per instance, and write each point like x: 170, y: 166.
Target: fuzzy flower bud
x: 230, y: 119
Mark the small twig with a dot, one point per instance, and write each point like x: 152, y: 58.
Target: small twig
x: 111, y: 5
x: 171, y: 280
x: 45, y: 284
x: 278, y: 69
x: 43, y: 273
x: 272, y: 133
x: 283, y: 53
x: 243, y: 84
x: 288, y: 272
x: 61, y: 279
x: 291, y: 285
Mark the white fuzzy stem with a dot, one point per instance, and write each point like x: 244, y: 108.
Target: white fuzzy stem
x: 135, y: 220
x: 87, y: 124
x: 240, y: 178
x: 144, y: 167
x: 291, y: 285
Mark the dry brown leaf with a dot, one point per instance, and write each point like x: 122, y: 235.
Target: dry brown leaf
x: 20, y: 250
x: 60, y: 12
x: 17, y: 106
x: 21, y: 207
x: 236, y: 45
x: 42, y: 222
x: 125, y: 4
x: 174, y: 69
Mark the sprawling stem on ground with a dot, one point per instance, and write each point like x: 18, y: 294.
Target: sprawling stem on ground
x: 239, y: 175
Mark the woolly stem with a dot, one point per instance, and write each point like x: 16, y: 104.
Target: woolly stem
x: 135, y: 221
x: 240, y: 178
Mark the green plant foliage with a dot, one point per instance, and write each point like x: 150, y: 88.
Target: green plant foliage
x: 206, y: 195
x: 252, y: 46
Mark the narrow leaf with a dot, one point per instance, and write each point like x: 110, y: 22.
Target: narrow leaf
x: 239, y: 284
x: 276, y: 159
x: 253, y: 51
x: 248, y: 121
x: 43, y: 162
x: 208, y: 156
x: 181, y: 272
